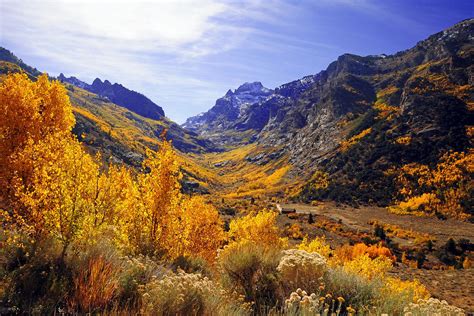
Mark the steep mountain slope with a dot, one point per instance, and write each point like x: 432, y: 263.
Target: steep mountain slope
x: 226, y: 111
x: 119, y: 95
x: 9, y: 62
x: 364, y: 116
x: 113, y: 129
x: 239, y: 116
x: 377, y: 113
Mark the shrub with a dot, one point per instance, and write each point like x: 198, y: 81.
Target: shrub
x: 318, y: 245
x: 294, y: 231
x: 369, y: 268
x: 95, y: 286
x: 38, y: 281
x: 379, y: 232
x: 96, y: 276
x: 465, y: 245
x: 414, y: 290
x: 137, y: 272
x: 348, y: 253
x: 432, y: 306
x: 250, y: 270
x: 301, y: 269
x: 300, y: 303
x: 191, y: 264
x: 357, y: 291
x: 451, y: 246
x: 187, y: 294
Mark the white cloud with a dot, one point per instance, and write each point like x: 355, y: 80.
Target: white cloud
x: 138, y: 43
x: 149, y: 46
x: 168, y: 26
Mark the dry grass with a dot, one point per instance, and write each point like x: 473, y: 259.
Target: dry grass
x: 96, y: 286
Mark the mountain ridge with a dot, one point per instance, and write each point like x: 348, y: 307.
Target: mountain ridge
x: 120, y: 95
x: 350, y: 119
x: 118, y: 131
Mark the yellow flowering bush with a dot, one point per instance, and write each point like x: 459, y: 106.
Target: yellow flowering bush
x: 369, y: 268
x: 425, y: 202
x: 415, y: 289
x: 294, y: 231
x: 347, y: 253
x: 318, y: 245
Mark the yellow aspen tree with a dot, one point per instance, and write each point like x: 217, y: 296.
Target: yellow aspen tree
x: 160, y: 196
x: 60, y: 196
x: 31, y: 111
x: 114, y: 193
x: 259, y: 228
x: 203, y: 229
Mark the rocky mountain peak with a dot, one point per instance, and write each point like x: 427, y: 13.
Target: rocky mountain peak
x: 252, y: 87
x: 97, y: 82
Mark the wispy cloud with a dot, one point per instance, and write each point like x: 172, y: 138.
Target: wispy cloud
x: 127, y: 41
x: 171, y: 48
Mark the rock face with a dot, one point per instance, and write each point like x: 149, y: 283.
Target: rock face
x: 119, y: 95
x: 228, y: 109
x: 424, y: 94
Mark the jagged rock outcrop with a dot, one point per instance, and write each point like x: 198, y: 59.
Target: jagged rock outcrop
x: 120, y: 95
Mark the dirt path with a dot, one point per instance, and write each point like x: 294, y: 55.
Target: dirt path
x: 358, y: 218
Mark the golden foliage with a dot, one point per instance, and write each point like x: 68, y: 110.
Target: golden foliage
x: 367, y: 267
x: 320, y: 180
x: 403, y: 140
x: 61, y: 191
x: 157, y: 221
x: 31, y: 111
x: 443, y: 189
x: 318, y: 245
x: 258, y: 228
x: 167, y: 221
x: 413, y: 288
x: 60, y: 194
x: 466, y: 264
x: 294, y: 231
x: 347, y: 253
x: 386, y: 111
x: 387, y: 91
x: 394, y: 230
x: 203, y: 230
x: 346, y: 144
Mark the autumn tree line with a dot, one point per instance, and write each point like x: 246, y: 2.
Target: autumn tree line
x: 52, y: 187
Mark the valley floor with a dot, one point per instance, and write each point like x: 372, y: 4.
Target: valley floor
x: 455, y: 286
x: 359, y: 218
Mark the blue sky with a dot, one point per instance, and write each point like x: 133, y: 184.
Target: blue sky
x: 185, y: 54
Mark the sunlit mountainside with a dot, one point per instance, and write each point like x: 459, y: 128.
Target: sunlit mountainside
x: 345, y: 192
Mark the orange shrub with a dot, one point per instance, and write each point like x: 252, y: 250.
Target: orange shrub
x: 347, y: 253
x: 96, y: 286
